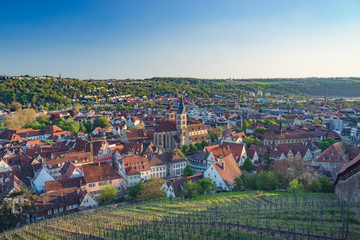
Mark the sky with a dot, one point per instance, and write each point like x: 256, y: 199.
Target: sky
x: 180, y: 38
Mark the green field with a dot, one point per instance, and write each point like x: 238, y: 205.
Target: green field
x: 244, y: 215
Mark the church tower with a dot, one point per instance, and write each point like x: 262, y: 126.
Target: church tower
x: 181, y: 122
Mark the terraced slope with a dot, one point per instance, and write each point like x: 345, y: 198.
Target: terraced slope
x: 218, y: 216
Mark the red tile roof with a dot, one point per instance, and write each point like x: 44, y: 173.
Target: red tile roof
x: 166, y: 126
x: 230, y: 170
x: 96, y: 172
x: 335, y: 153
x: 137, y: 162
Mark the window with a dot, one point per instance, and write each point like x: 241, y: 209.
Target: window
x: 49, y: 212
x: 61, y: 209
x: 55, y: 210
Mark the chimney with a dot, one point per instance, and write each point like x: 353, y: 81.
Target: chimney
x: 223, y: 165
x: 99, y: 164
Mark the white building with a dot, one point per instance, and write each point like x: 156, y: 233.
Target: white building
x: 223, y: 172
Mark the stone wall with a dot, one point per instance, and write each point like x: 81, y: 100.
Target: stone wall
x: 349, y: 189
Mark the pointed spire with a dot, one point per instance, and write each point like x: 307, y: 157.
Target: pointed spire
x: 181, y: 108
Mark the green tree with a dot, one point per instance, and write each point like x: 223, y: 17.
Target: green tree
x: 251, y: 140
x: 72, y: 126
x: 295, y: 185
x: 239, y: 185
x: 326, y: 143
x: 180, y: 153
x: 205, y: 185
x: 261, y: 130
x: 317, y: 122
x: 185, y: 148
x: 266, y: 181
x: 192, y: 148
x: 326, y: 184
x: 315, y: 186
x: 19, y: 118
x: 204, y: 143
x: 248, y: 165
x: 199, y: 146
x: 191, y: 189
x: 152, y: 189
x: 88, y: 126
x: 213, y: 136
x: 245, y: 125
x: 135, y: 190
x: 15, y: 208
x: 82, y: 128
x: 188, y: 171
x: 101, y: 122
x: 221, y: 130
x: 250, y: 181
x: 107, y: 194
x: 270, y: 122
x: 15, y: 106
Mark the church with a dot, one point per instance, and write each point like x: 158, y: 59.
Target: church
x: 174, y: 132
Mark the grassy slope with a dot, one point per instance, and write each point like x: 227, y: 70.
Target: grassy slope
x: 215, y: 216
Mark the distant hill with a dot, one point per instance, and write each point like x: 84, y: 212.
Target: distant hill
x: 55, y: 91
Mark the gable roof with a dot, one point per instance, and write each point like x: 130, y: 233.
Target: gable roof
x: 230, y: 170
x: 56, y: 199
x: 64, y: 183
x: 170, y: 157
x: 220, y: 152
x: 166, y: 126
x: 335, y: 153
x: 235, y: 148
x: 131, y: 171
x: 139, y: 163
x: 96, y: 172
x: 196, y: 127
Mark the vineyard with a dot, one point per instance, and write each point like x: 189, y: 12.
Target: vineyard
x: 244, y: 215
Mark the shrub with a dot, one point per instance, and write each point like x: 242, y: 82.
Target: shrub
x: 239, y: 185
x: 294, y: 185
x: 205, y: 185
x: 191, y: 189
x: 108, y: 194
x: 323, y: 184
x: 266, y: 181
x: 250, y: 181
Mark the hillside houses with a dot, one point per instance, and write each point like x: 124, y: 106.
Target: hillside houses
x: 139, y: 145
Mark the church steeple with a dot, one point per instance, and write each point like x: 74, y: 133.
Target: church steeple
x: 181, y: 108
x: 181, y: 121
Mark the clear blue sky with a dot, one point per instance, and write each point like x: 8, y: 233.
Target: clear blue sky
x: 195, y: 38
